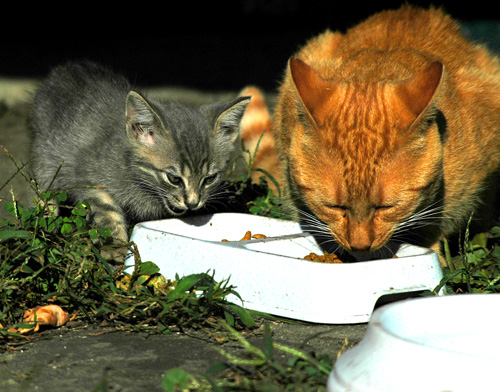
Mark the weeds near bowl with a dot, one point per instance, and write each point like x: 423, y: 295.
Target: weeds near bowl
x: 256, y: 369
x: 268, y: 204
x: 477, y: 268
x: 46, y: 258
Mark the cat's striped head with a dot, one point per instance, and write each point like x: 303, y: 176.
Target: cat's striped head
x: 181, y: 153
x: 365, y: 155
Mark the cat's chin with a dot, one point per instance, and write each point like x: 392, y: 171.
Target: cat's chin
x: 387, y: 252
x: 347, y: 256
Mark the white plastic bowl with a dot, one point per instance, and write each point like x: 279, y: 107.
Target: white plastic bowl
x: 432, y: 344
x: 271, y: 275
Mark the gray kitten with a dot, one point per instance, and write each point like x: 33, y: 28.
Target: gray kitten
x: 132, y: 157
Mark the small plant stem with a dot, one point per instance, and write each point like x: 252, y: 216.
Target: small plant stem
x: 302, y: 355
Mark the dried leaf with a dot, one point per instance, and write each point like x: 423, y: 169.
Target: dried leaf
x: 49, y: 316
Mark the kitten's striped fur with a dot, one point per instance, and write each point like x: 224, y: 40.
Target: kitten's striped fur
x: 134, y: 158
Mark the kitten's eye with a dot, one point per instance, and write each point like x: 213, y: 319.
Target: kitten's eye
x: 173, y: 179
x: 209, y: 180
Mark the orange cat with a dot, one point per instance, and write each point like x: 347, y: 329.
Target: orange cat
x: 390, y: 132
x: 256, y: 132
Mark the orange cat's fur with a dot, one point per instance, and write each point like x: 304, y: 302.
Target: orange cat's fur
x: 391, y: 131
x: 257, y: 136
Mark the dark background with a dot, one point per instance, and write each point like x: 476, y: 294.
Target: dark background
x: 217, y: 45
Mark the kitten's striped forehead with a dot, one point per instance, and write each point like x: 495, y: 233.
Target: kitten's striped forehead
x: 189, y: 142
x: 196, y: 165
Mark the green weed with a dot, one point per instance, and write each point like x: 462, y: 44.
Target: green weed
x: 477, y: 268
x: 256, y: 369
x: 49, y: 258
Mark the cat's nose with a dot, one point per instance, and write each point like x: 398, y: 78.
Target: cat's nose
x: 191, y: 198
x: 192, y: 205
x: 360, y: 244
x: 192, y: 202
x: 365, y: 248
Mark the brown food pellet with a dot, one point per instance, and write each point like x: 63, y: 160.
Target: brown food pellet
x: 324, y: 258
x: 247, y: 236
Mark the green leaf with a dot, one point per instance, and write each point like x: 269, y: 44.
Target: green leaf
x: 9, y: 234
x: 80, y: 222
x: 60, y: 197
x: 66, y: 228
x: 479, y: 240
x: 244, y: 316
x: 9, y: 207
x: 268, y: 342
x: 141, y: 280
x: 26, y: 269
x: 255, y: 210
x: 176, y: 379
x: 495, y: 231
x: 104, y: 232
x: 79, y: 211
x: 46, y: 195
x: 219, y: 367
x: 229, y: 318
x: 94, y: 235
x: 148, y: 268
x: 185, y: 284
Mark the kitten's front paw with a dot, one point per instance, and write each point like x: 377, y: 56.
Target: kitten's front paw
x: 114, y: 253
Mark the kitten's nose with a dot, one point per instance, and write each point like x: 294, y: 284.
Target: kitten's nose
x: 192, y: 206
x: 192, y: 202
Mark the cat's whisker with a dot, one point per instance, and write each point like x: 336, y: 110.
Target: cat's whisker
x: 431, y: 215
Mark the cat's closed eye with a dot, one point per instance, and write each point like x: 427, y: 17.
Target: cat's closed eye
x: 339, y: 208
x: 383, y: 207
x: 343, y: 209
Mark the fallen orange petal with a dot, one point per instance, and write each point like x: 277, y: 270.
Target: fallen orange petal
x: 50, y: 316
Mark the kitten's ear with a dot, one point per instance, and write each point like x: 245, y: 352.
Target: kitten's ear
x: 312, y: 88
x: 228, y: 122
x: 142, y: 121
x: 418, y: 93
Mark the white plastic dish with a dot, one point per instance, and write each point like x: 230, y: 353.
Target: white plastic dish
x: 271, y: 275
x: 432, y: 344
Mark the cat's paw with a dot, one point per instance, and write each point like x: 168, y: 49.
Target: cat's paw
x: 114, y: 254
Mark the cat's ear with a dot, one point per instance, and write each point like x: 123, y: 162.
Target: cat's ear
x: 418, y: 93
x: 228, y: 122
x: 312, y: 88
x: 142, y: 121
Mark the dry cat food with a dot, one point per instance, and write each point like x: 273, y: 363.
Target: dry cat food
x: 248, y: 236
x: 324, y: 258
